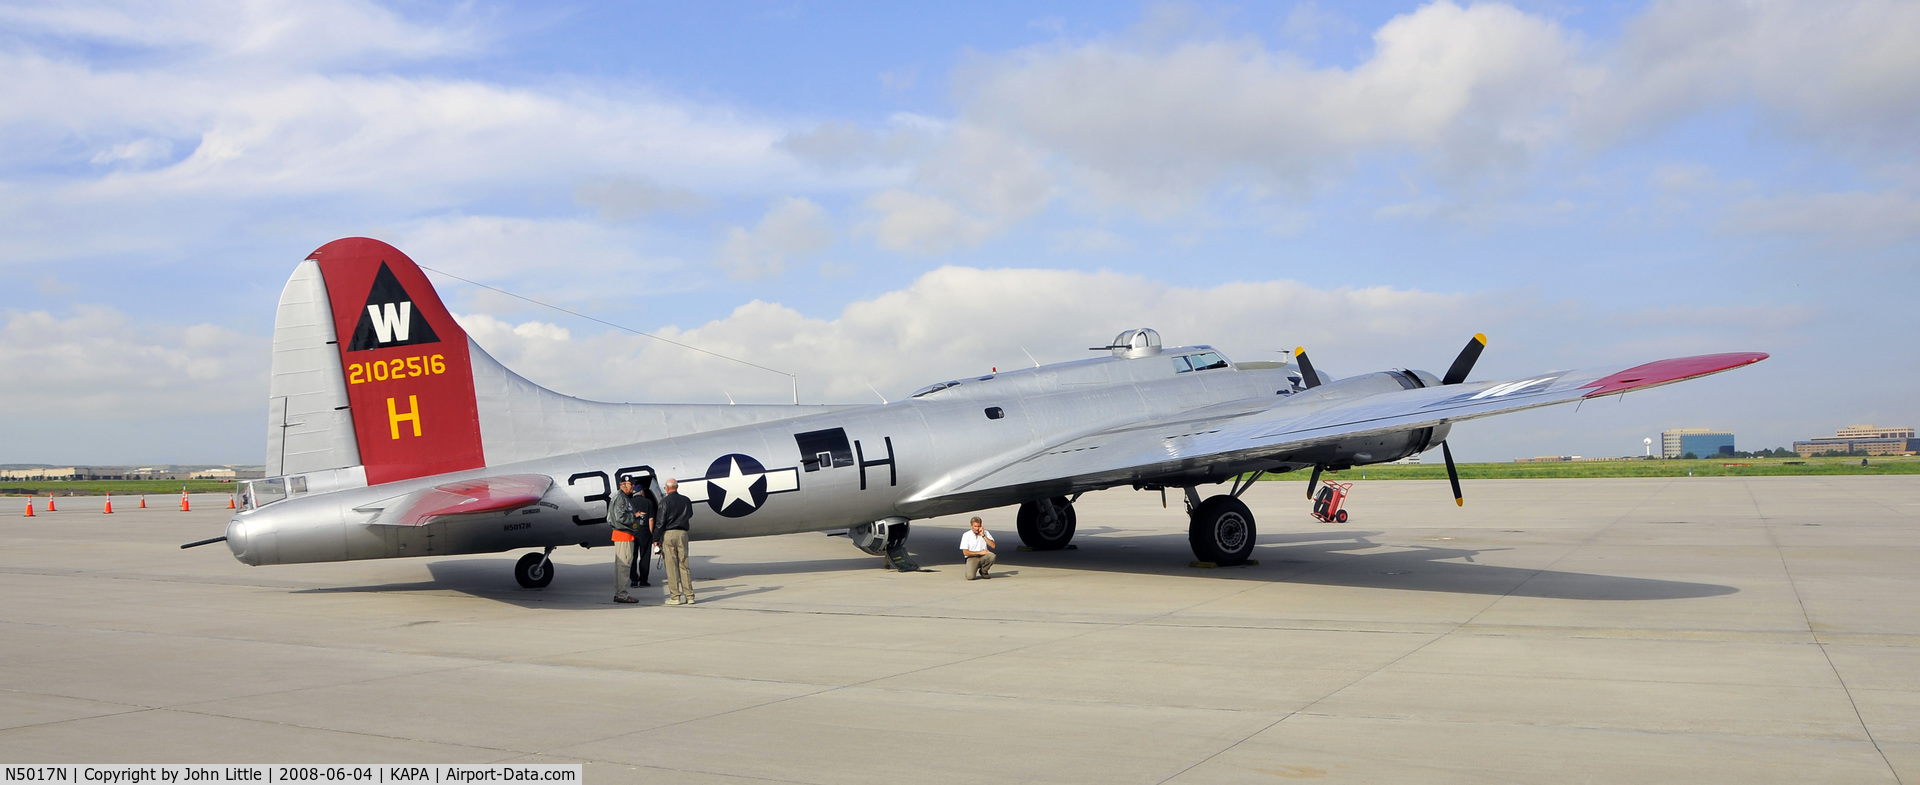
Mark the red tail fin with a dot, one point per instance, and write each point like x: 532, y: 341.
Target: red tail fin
x: 409, y: 377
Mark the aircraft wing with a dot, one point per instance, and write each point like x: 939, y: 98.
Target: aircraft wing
x: 486, y: 494
x: 1175, y: 446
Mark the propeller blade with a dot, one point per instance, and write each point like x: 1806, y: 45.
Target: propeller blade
x: 1315, y: 479
x: 1463, y: 364
x: 203, y: 542
x: 1453, y: 475
x: 1307, y: 375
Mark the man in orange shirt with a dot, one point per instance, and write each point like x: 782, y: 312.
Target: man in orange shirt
x: 620, y: 514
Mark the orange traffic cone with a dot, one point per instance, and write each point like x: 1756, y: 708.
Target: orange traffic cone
x: 230, y: 502
x: 184, y: 507
x: 109, y: 509
x: 50, y: 507
x: 29, y: 507
x: 143, y: 501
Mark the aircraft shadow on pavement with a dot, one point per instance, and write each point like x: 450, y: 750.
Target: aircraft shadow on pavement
x: 576, y: 585
x: 1324, y: 558
x: 1338, y: 558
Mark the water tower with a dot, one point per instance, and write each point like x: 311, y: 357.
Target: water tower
x: 1649, y: 445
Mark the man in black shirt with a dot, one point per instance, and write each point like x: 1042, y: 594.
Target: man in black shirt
x: 641, y: 500
x: 676, y: 518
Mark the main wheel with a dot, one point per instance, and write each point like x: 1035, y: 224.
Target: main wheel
x: 1047, y: 524
x: 1221, y: 531
x: 533, y: 571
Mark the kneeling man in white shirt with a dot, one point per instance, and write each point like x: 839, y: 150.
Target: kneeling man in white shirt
x: 977, y: 546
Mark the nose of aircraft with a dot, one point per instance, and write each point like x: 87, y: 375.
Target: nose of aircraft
x: 238, y: 541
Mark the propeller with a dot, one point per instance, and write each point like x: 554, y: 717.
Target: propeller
x: 1456, y: 374
x: 1453, y: 475
x: 1307, y: 375
x: 1464, y: 363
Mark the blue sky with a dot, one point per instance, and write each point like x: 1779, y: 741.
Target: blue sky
x: 887, y: 195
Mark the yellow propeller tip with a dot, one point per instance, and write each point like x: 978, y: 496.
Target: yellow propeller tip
x: 1481, y: 337
x: 1459, y: 502
x: 1299, y: 351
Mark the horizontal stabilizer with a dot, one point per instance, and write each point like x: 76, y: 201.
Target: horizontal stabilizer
x: 486, y: 494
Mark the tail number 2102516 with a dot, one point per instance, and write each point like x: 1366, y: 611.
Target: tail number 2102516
x: 396, y: 368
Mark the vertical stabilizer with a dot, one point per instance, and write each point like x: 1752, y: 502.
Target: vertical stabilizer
x: 308, y: 425
x: 407, y: 379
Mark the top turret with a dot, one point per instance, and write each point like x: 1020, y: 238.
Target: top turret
x: 1138, y: 342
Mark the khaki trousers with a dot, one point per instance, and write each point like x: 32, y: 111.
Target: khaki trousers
x: 673, y: 551
x: 979, y: 565
x: 622, y: 563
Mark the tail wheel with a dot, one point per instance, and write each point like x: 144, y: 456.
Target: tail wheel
x: 533, y: 571
x: 1221, y: 531
x: 1046, y: 524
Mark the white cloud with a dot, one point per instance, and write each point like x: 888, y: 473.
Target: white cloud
x: 138, y: 152
x: 1470, y: 90
x: 921, y: 224
x: 1848, y: 217
x: 1841, y: 73
x: 97, y: 363
x: 415, y: 139
x: 255, y: 31
x: 1161, y: 119
x: 625, y: 198
x: 1306, y: 23
x: 562, y: 253
x: 229, y: 102
x: 898, y: 81
x: 792, y: 227
x: 978, y: 184
x: 841, y: 146
x: 957, y: 321
x: 1090, y: 241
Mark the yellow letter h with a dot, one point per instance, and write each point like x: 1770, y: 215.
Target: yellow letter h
x: 413, y: 415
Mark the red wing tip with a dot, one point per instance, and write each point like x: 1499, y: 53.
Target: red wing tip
x: 1668, y: 371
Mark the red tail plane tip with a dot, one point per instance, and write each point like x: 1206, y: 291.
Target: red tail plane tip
x: 1676, y: 369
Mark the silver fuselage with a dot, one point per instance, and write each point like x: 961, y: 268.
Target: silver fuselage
x: 915, y: 458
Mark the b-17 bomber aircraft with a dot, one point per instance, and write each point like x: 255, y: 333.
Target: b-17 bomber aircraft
x: 391, y: 433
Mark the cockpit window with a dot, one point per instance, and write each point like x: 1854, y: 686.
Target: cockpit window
x: 933, y: 388
x: 260, y: 493
x: 1180, y: 364
x: 1207, y: 361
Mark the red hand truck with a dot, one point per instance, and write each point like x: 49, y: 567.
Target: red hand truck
x: 1327, y: 502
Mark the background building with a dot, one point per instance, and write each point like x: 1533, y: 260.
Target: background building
x: 64, y: 473
x: 1868, y: 439
x: 1702, y: 442
x: 28, y: 472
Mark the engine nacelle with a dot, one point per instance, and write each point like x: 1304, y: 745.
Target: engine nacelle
x: 875, y: 538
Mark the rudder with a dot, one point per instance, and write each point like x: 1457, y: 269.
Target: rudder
x: 404, y: 363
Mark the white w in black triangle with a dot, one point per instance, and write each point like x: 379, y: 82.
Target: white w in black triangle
x: 390, y: 318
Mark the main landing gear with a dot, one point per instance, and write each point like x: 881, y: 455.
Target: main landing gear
x: 1221, y: 529
x: 1046, y: 524
x: 534, y: 570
